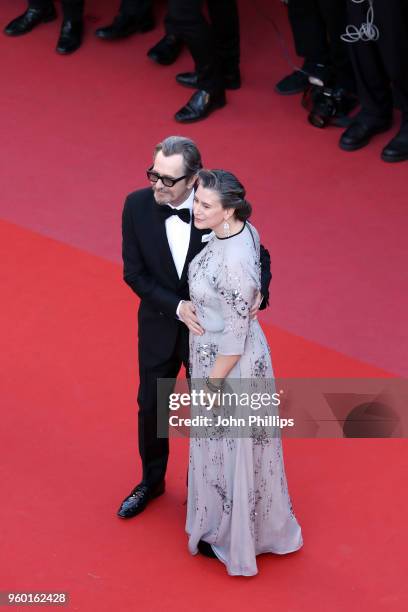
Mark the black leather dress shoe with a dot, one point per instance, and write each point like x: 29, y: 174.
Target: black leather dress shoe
x: 138, y: 499
x: 360, y: 132
x: 206, y: 549
x: 298, y: 81
x: 166, y: 51
x: 200, y: 105
x: 125, y: 25
x: 294, y: 83
x: 397, y: 149
x: 29, y: 20
x: 190, y: 79
x: 70, y: 37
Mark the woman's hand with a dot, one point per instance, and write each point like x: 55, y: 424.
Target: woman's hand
x: 255, y: 306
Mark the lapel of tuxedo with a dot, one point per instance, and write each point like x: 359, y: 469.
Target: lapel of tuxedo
x: 162, y: 244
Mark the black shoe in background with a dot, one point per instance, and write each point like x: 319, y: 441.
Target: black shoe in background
x: 397, y: 149
x: 294, y: 83
x: 187, y: 79
x: 138, y: 499
x: 231, y: 80
x: 124, y: 26
x: 166, y: 51
x: 361, y: 131
x: 297, y: 81
x: 29, y: 20
x: 70, y: 37
x: 346, y: 103
x: 200, y: 105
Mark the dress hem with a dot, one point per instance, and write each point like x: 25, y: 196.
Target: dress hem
x: 248, y: 574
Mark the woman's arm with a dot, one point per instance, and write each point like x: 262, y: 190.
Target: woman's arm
x: 223, y: 366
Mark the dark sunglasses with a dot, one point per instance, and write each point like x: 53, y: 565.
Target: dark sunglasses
x: 167, y: 181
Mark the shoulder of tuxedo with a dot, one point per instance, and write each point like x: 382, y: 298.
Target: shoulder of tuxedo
x: 140, y: 199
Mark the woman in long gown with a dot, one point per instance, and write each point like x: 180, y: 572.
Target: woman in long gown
x: 238, y: 502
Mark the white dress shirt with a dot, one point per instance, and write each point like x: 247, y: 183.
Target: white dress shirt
x: 178, y: 236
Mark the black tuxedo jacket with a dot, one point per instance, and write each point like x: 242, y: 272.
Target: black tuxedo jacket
x: 150, y: 271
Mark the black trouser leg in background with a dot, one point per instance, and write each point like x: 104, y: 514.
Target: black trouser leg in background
x: 136, y: 8
x: 309, y: 31
x: 377, y: 64
x: 215, y: 47
x: 40, y: 4
x: 334, y: 14
x: 317, y: 26
x: 189, y: 24
x: 71, y: 9
x: 224, y: 20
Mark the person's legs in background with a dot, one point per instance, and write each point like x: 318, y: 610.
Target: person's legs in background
x: 134, y: 16
x: 167, y: 50
x: 393, y: 45
x: 70, y: 38
x: 310, y: 38
x: 224, y: 21
x: 38, y: 11
x: 191, y: 26
x: 334, y: 14
x: 378, y: 65
x: 42, y: 11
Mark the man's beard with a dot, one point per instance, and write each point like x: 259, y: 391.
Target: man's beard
x: 160, y: 196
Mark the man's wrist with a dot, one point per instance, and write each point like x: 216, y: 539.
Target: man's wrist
x: 178, y: 309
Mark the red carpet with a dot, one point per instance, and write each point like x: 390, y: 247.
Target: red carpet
x: 69, y: 455
x: 76, y: 138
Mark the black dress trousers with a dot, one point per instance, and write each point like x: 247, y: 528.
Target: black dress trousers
x: 224, y: 20
x: 381, y: 67
x: 136, y: 8
x: 214, y: 47
x: 317, y: 26
x: 154, y: 451
x: 72, y: 9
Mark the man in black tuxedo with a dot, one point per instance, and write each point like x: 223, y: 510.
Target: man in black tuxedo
x: 159, y: 241
x: 43, y: 11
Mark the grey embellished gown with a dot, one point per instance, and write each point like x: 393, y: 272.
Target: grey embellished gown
x: 238, y: 499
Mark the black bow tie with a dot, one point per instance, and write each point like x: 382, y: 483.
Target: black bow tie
x: 166, y: 211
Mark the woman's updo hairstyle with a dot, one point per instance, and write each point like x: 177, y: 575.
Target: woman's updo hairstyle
x: 230, y: 191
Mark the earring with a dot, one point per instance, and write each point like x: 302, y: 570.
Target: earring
x: 226, y: 229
